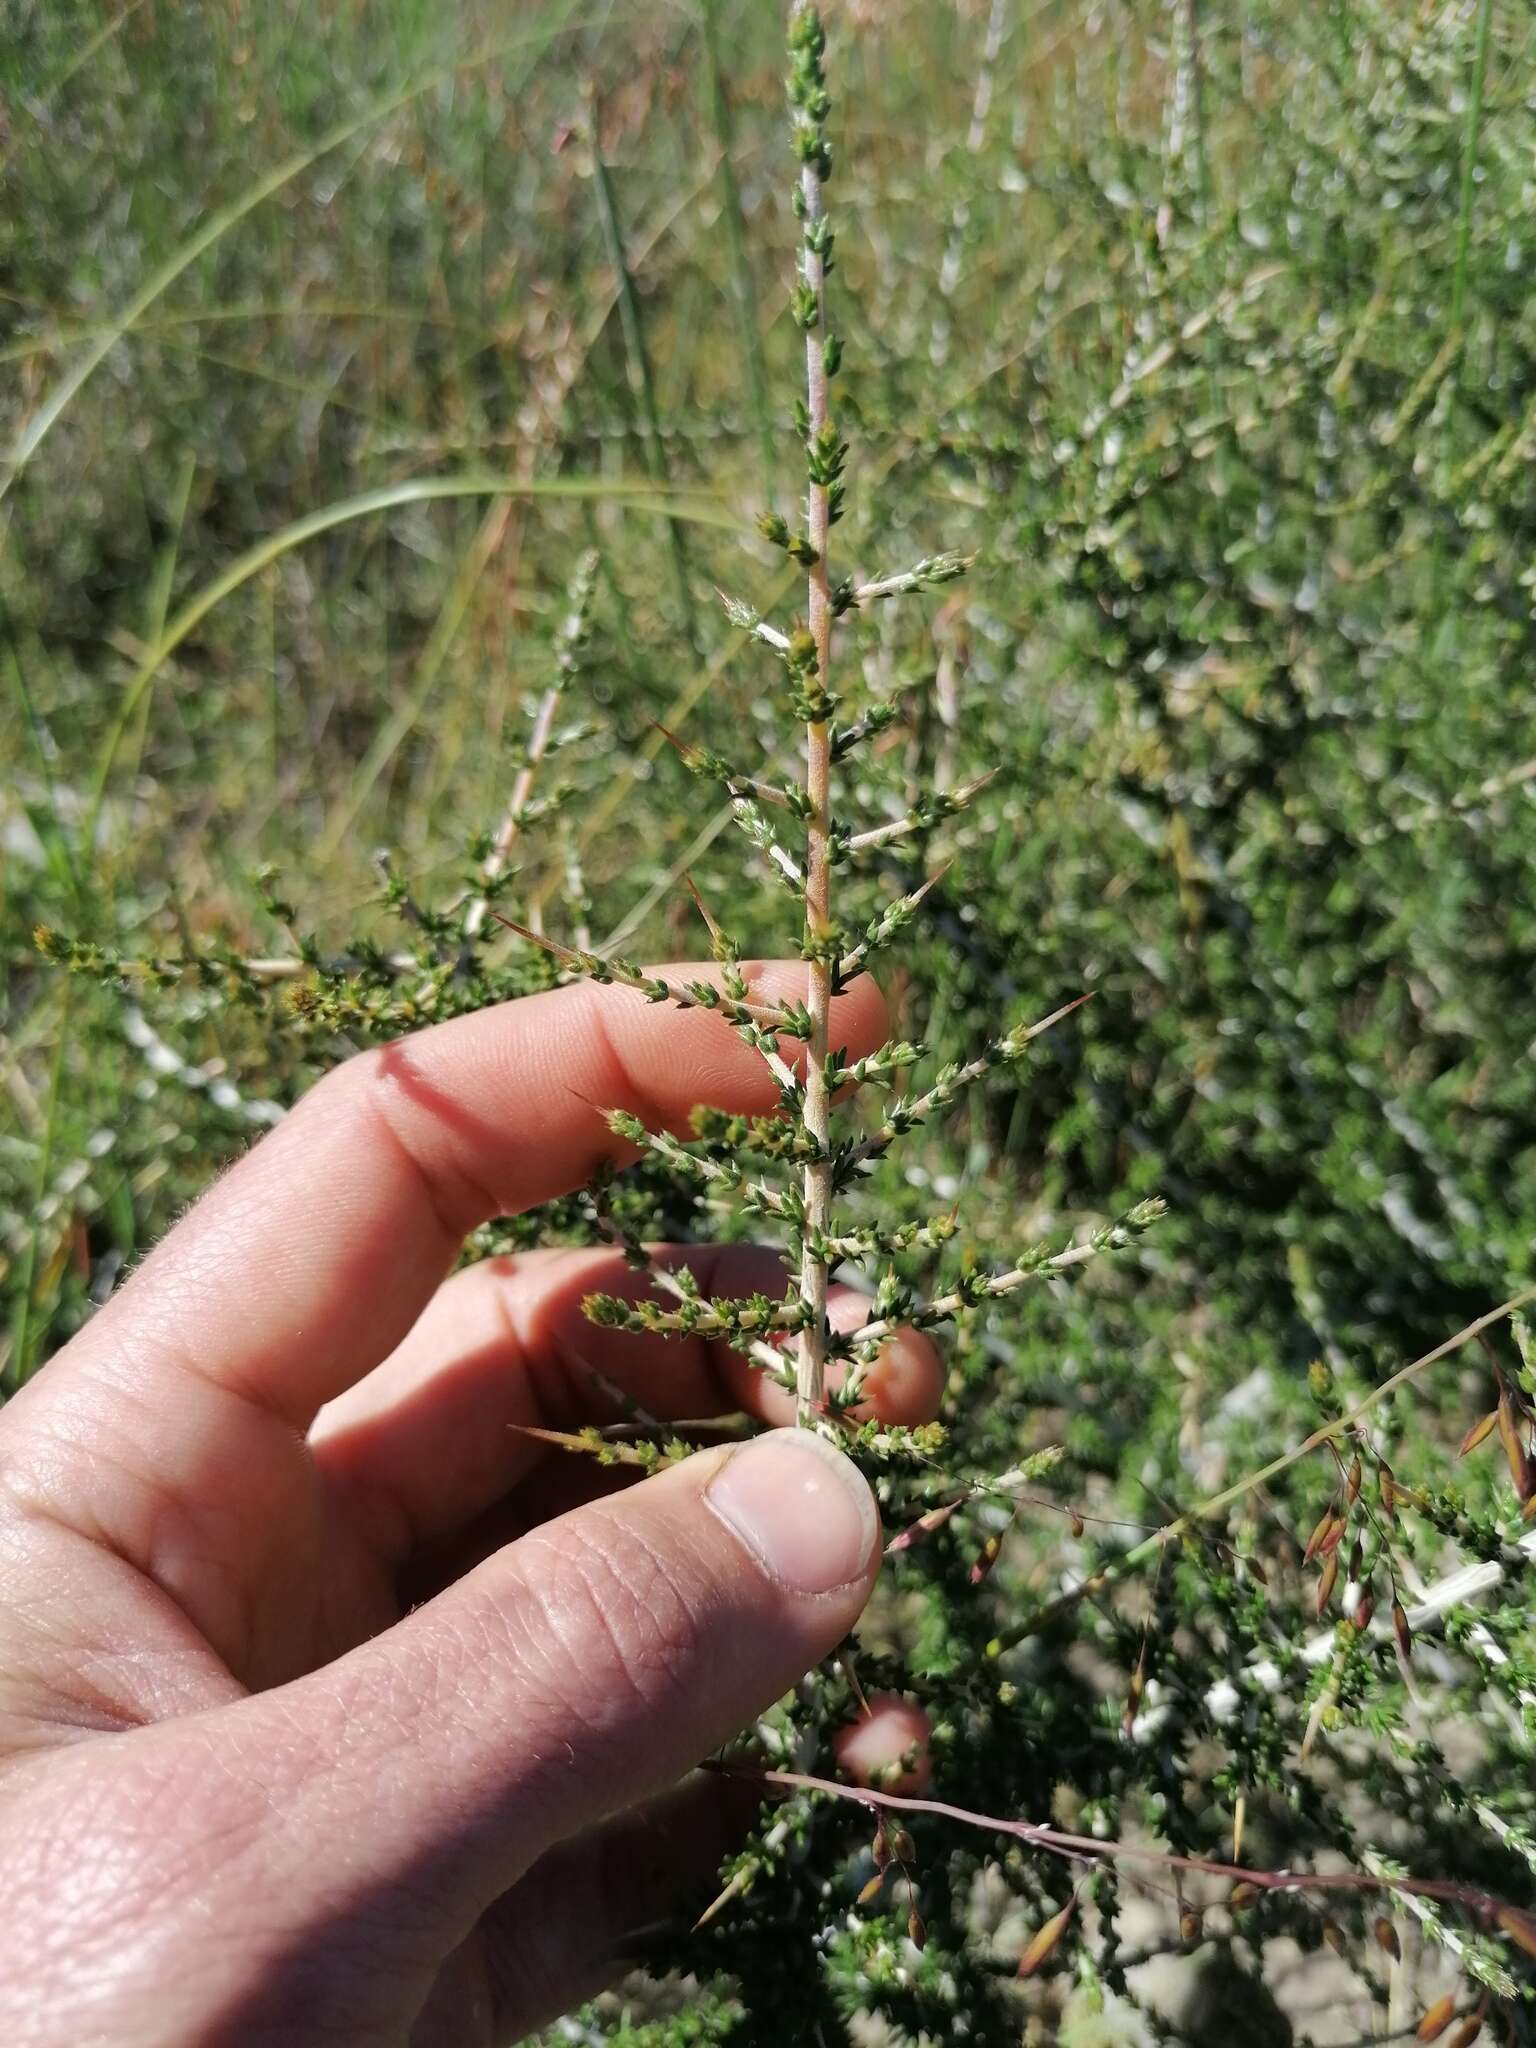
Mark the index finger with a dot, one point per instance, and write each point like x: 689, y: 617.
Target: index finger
x: 311, y: 1259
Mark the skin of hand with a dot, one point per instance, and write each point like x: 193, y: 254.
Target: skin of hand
x: 332, y: 1708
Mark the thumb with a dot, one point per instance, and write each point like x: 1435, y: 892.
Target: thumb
x: 576, y: 1672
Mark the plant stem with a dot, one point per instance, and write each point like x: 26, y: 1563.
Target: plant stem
x: 1469, y: 164
x: 1186, y: 140
x: 817, y: 1113
x: 567, y: 643
x: 1091, y: 1849
x: 522, y: 790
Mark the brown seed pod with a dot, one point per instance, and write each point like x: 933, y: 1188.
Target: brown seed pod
x: 872, y: 1889
x: 1335, y: 1937
x: 901, y: 1847
x: 1356, y: 1475
x: 1241, y: 1895
x: 1079, y: 1526
x: 917, y: 1933
x: 1437, y: 2019
x: 1365, y: 1609
x: 1479, y: 1433
x: 1387, y: 1487
x: 1520, y: 1470
x: 1386, y: 1937
x: 1356, y: 1559
x: 1138, y: 1686
x: 925, y: 1525
x: 1401, y: 1629
x: 1467, y: 2032
x: 1046, y: 1940
x: 1190, y: 1925
x: 982, y: 1568
x: 1520, y: 1927
x: 1320, y: 1535
x: 1326, y: 1583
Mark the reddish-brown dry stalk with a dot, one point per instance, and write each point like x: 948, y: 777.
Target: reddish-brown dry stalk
x: 1515, y: 1921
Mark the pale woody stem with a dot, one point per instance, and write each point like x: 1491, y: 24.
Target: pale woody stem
x: 811, y: 1378
x: 522, y: 790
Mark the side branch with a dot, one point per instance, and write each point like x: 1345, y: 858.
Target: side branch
x: 1514, y: 1921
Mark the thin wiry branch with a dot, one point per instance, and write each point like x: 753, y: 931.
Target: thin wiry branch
x: 1487, y: 1909
x: 927, y: 574
x: 688, y: 995
x: 568, y: 643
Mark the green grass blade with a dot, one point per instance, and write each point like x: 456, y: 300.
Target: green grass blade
x: 642, y: 382
x: 219, y: 223
x: 1469, y: 163
x: 388, y: 497
x: 445, y: 630
x: 300, y: 308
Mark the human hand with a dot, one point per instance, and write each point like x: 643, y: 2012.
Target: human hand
x: 246, y: 1790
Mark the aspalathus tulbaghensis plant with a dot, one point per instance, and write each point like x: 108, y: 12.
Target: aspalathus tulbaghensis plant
x: 800, y: 826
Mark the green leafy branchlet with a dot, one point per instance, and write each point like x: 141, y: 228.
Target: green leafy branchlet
x: 821, y: 1138
x: 365, y: 990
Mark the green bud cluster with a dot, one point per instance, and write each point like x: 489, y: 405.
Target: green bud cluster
x: 810, y: 699
x: 776, y: 530
x: 808, y: 93
x: 763, y: 1136
x: 826, y: 458
x: 880, y: 1066
x: 742, y: 1322
x: 825, y: 946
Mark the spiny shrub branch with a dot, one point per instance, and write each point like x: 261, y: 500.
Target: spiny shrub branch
x: 812, y: 1074
x: 1516, y: 1922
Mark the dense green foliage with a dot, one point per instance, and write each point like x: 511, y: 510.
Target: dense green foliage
x: 1209, y: 330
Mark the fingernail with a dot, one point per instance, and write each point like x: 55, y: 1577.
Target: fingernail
x: 800, y: 1507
